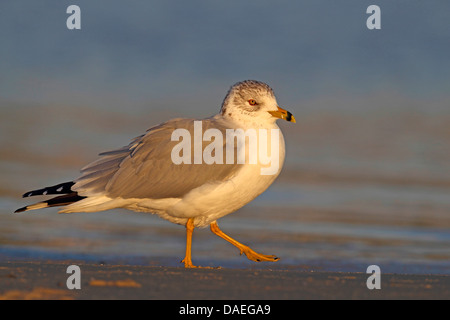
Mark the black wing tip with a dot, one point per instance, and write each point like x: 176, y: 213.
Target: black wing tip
x: 21, y: 209
x: 62, y: 188
x: 53, y: 202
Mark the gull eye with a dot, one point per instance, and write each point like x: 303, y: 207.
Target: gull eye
x: 252, y: 102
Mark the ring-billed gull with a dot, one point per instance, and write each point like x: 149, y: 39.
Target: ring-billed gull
x: 148, y: 176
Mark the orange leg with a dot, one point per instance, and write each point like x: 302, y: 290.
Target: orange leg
x: 189, y: 230
x: 187, y: 260
x: 252, y: 255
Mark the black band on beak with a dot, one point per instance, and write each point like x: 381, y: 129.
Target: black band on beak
x: 289, y: 116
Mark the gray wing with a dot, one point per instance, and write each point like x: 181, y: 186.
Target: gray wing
x: 144, y: 168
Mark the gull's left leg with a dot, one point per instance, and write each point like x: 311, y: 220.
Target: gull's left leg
x: 189, y: 230
x: 252, y: 255
x: 187, y: 259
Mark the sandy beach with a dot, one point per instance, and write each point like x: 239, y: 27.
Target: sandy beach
x: 47, y: 280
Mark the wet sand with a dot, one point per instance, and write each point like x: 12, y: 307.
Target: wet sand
x: 47, y: 280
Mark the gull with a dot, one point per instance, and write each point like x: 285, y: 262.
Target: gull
x: 144, y: 177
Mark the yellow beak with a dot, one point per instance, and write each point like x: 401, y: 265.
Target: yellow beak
x: 283, y: 114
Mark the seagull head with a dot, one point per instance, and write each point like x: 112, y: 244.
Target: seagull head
x: 253, y: 101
